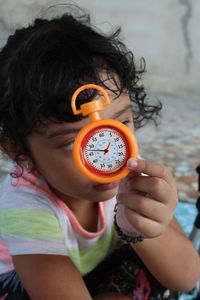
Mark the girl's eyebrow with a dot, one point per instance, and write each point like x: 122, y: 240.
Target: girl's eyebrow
x: 122, y: 111
x: 66, y: 131
x: 62, y: 132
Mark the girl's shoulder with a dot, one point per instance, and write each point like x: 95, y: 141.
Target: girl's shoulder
x: 29, y: 219
x: 29, y: 191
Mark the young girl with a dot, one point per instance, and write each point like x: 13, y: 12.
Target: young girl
x: 58, y: 239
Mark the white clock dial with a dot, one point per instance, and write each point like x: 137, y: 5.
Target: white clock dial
x: 106, y: 150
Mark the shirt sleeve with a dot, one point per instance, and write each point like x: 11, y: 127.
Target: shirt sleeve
x: 29, y: 224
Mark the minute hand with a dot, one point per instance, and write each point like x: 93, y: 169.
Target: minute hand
x: 98, y: 150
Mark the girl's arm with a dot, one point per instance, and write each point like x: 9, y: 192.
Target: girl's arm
x: 51, y: 277
x: 171, y: 258
x: 146, y: 207
x: 54, y: 277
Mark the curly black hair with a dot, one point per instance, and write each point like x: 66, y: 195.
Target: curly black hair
x: 43, y: 64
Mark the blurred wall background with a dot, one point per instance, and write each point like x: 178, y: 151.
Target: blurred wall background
x: 166, y: 33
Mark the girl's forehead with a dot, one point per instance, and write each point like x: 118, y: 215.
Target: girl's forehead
x: 118, y: 107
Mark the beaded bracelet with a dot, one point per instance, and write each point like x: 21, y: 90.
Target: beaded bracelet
x: 122, y: 235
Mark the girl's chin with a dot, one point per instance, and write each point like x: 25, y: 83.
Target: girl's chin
x: 106, y: 186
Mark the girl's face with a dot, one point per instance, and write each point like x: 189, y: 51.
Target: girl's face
x: 52, y: 155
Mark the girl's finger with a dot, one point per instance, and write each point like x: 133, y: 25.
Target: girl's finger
x: 146, y: 227
x: 158, y: 188
x: 150, y: 168
x: 146, y: 207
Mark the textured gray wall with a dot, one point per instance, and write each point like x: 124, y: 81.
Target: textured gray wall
x: 165, y: 32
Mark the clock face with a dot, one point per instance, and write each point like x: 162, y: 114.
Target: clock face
x: 104, y: 150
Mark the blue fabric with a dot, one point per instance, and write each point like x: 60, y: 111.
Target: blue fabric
x: 186, y: 213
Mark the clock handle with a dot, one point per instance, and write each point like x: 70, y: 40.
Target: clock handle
x: 91, y: 107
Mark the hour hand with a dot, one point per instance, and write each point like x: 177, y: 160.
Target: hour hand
x: 106, y: 150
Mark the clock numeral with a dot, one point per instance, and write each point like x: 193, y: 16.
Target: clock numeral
x: 120, y: 153
x: 116, y: 139
x: 111, y: 134
x: 101, y: 134
x: 103, y: 165
x: 91, y: 146
x: 110, y: 166
x: 117, y: 161
x: 91, y: 153
x: 95, y: 161
x: 121, y: 146
x: 94, y: 139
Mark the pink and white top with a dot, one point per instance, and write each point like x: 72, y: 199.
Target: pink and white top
x: 33, y: 220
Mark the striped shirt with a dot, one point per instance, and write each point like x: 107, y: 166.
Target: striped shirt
x: 33, y: 220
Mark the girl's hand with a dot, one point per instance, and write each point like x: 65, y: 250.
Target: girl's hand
x: 146, y: 203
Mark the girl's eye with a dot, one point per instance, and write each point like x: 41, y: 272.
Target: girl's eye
x: 125, y: 122
x: 69, y: 146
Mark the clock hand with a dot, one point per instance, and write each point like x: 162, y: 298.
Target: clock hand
x: 106, y: 150
x: 97, y: 150
x: 102, y: 150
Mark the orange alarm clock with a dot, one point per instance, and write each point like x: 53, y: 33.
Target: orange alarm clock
x: 102, y: 147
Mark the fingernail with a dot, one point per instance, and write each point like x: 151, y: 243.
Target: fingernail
x: 132, y: 163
